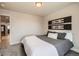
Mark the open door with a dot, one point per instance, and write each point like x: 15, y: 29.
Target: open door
x: 4, y: 31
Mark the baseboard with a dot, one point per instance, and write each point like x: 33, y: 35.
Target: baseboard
x: 75, y: 49
x: 13, y: 43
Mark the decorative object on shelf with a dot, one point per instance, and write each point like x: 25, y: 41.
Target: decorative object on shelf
x: 60, y: 23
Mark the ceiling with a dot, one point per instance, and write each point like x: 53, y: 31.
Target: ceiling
x: 29, y: 7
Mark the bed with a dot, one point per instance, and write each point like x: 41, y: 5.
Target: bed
x: 42, y: 45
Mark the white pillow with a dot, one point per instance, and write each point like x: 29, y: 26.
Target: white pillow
x: 52, y: 35
x: 69, y: 36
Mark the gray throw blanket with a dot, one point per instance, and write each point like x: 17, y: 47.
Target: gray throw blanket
x: 62, y: 46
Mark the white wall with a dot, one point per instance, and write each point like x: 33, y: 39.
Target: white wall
x: 23, y: 24
x: 72, y: 10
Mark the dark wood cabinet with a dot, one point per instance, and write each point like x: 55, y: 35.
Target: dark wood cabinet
x: 5, y: 19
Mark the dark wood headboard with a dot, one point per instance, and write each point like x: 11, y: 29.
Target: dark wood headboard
x: 60, y: 23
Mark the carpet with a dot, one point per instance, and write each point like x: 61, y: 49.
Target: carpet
x: 18, y: 50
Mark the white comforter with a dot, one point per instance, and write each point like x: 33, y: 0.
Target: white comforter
x: 36, y: 47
